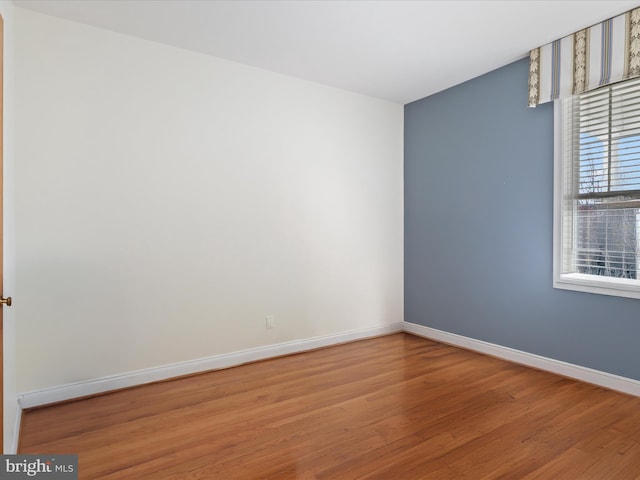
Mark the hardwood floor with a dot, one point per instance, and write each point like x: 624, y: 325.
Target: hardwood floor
x: 393, y: 408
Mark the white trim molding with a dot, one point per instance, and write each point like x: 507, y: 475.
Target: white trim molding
x: 595, y: 377
x: 13, y: 448
x: 76, y: 390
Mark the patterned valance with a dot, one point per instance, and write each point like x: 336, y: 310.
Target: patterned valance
x: 596, y: 56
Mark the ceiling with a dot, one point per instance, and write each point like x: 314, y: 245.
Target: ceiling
x: 395, y: 50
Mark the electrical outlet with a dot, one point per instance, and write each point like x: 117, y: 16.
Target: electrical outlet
x: 270, y: 322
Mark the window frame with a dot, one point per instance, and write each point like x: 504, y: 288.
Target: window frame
x: 580, y: 282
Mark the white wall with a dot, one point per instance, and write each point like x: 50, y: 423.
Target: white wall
x: 167, y: 201
x: 9, y: 349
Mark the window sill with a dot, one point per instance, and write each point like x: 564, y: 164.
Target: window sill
x: 618, y: 287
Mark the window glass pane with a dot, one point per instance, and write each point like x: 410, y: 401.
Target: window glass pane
x: 625, y: 163
x: 593, y: 165
x: 607, y: 239
x: 606, y: 209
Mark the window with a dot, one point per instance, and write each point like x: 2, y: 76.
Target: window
x: 597, y: 191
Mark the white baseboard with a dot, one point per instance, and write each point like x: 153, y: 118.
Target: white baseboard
x: 596, y: 377
x: 139, y: 377
x: 130, y: 379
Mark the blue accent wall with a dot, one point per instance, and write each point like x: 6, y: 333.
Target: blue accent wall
x: 479, y: 225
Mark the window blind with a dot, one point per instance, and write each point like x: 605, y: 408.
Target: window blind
x: 602, y: 214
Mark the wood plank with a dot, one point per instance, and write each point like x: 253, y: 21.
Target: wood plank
x: 398, y: 407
